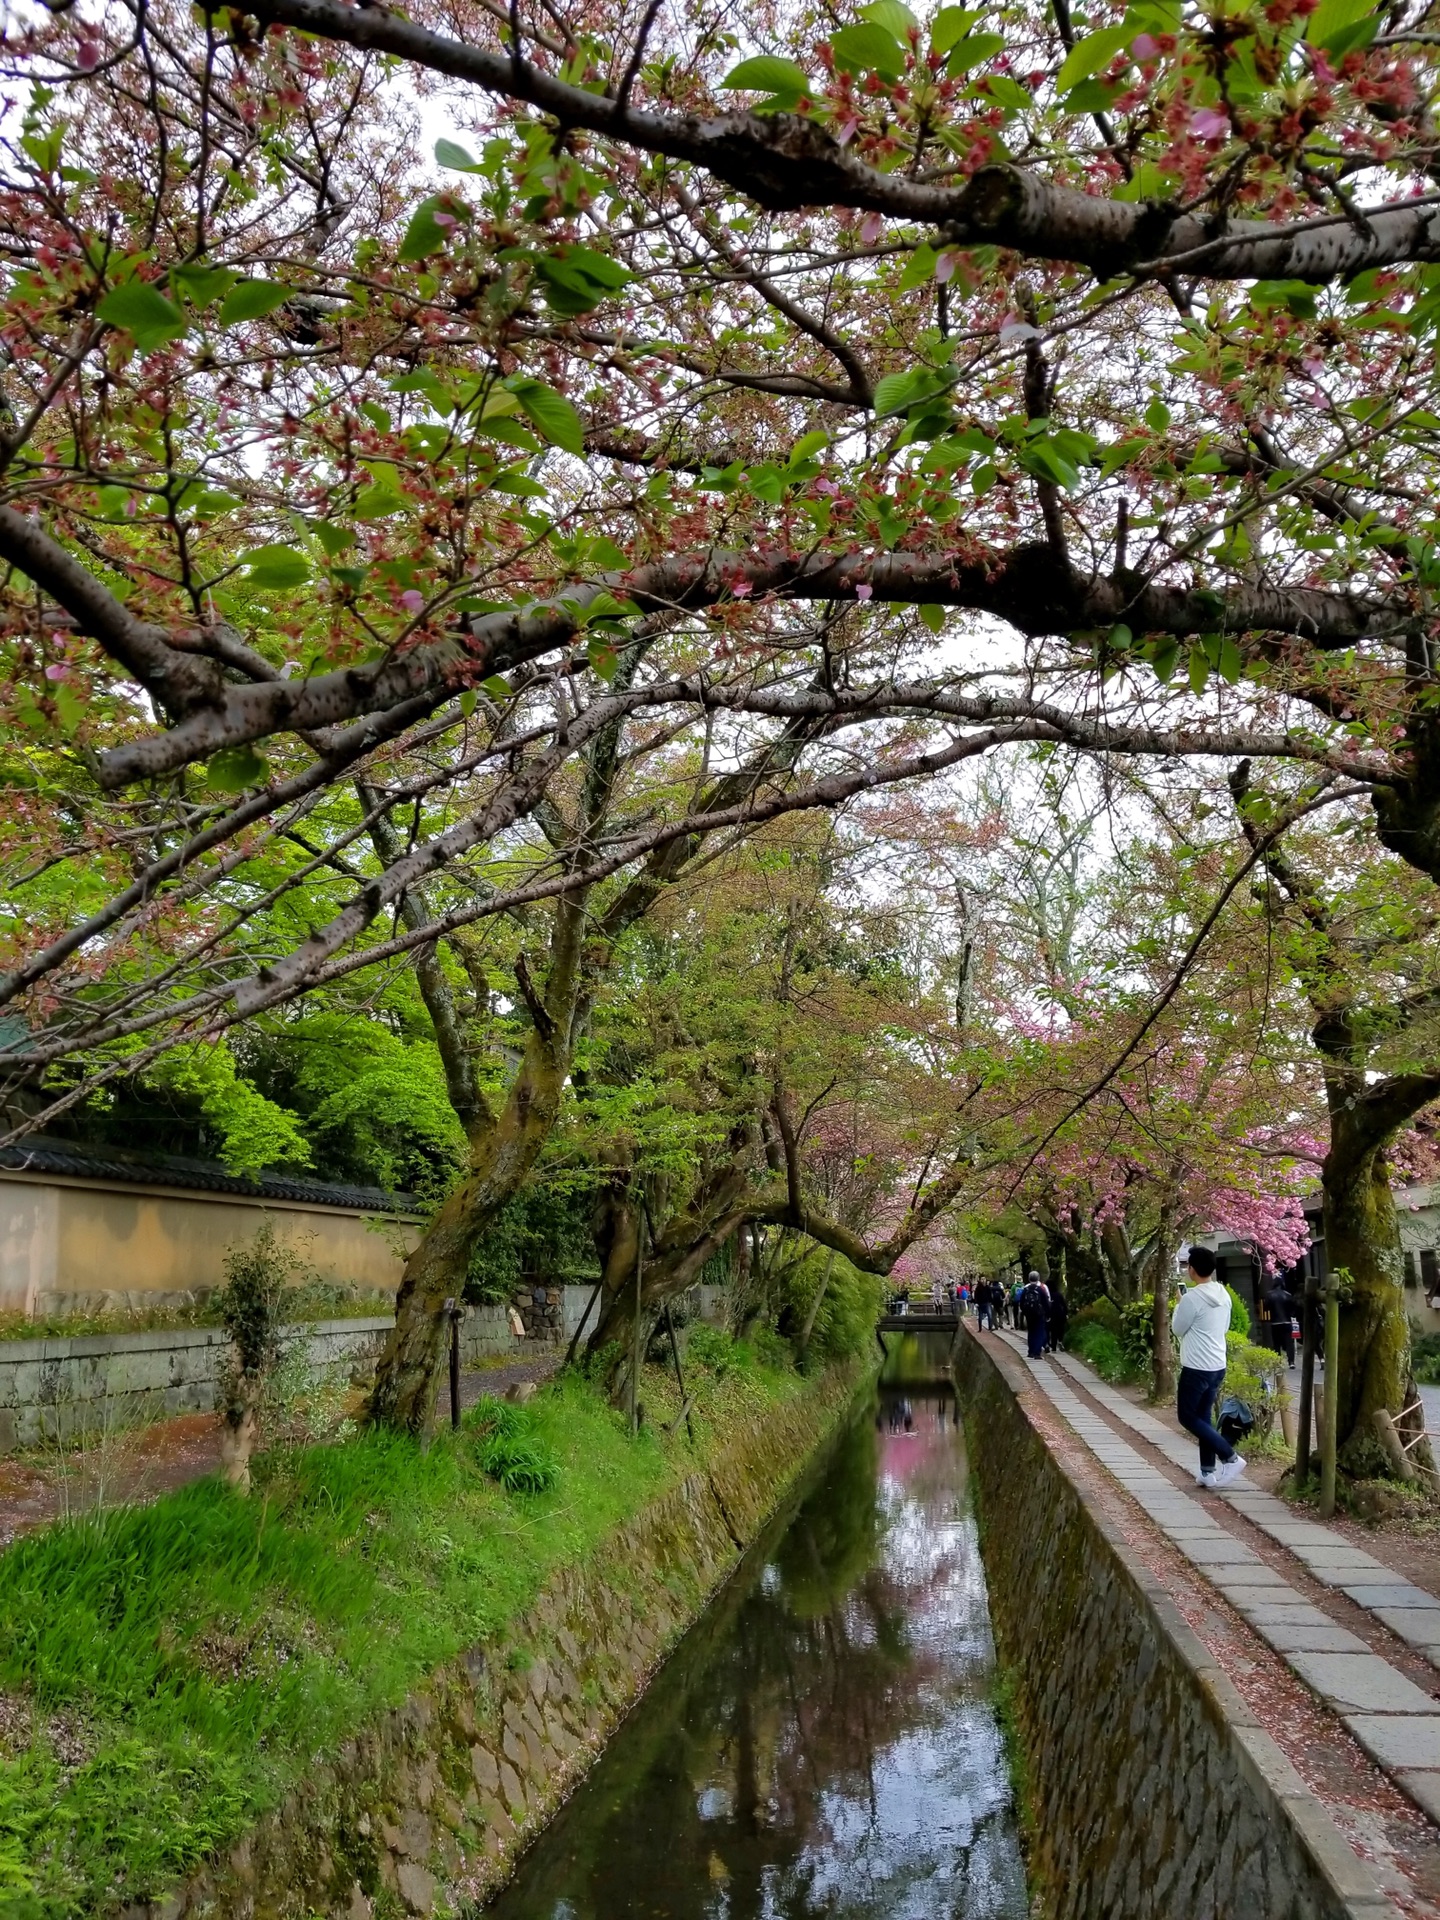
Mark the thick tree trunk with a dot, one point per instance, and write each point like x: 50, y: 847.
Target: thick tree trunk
x: 501, y: 1158
x: 1162, y: 1352
x: 1362, y: 1236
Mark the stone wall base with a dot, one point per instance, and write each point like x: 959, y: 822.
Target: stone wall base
x: 1154, y: 1791
x: 429, y: 1808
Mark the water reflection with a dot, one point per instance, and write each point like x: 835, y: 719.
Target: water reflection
x: 823, y: 1742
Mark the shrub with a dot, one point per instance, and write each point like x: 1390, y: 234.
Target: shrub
x: 712, y: 1348
x: 1425, y: 1359
x: 509, y: 1449
x: 1239, y: 1314
x: 1137, y: 1330
x: 1253, y: 1374
x: 1098, y: 1346
x: 1103, y: 1313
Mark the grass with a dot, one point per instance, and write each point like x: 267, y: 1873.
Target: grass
x: 316, y: 1300
x: 168, y: 1672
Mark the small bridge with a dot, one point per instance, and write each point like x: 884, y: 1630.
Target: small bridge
x: 922, y: 1320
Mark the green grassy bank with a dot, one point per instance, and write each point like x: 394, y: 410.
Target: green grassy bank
x: 167, y: 1673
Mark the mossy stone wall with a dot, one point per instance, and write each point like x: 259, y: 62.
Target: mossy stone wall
x: 428, y: 1809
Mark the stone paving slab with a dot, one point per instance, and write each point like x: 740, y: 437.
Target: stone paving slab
x: 1397, y: 1593
x: 1399, y: 1741
x: 1296, y: 1615
x: 1289, y: 1638
x: 1419, y: 1625
x: 1361, y: 1683
x: 1423, y: 1789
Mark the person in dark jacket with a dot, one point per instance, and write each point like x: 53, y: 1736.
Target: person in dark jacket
x: 1035, y: 1305
x: 1279, y: 1303
x: 1059, y: 1317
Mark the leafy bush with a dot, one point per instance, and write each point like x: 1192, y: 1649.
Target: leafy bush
x: 1137, y: 1333
x: 509, y: 1448
x: 1239, y: 1314
x: 1425, y: 1359
x: 1103, y: 1312
x: 1099, y: 1347
x: 1253, y: 1375
x: 712, y: 1348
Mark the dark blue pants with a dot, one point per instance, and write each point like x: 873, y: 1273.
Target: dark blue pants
x: 1037, y: 1334
x: 1195, y: 1402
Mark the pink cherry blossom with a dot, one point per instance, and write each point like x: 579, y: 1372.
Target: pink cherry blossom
x: 1145, y: 46
x: 742, y: 589
x: 846, y: 130
x: 87, y: 56
x: 831, y: 487
x: 412, y: 600
x: 864, y: 591
x: 945, y: 265
x: 445, y: 221
x: 1209, y: 123
x: 55, y: 672
x: 871, y: 228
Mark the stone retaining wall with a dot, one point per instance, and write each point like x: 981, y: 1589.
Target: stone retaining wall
x: 1155, y: 1792
x: 428, y: 1809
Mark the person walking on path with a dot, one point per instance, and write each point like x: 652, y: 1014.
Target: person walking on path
x: 1200, y: 1321
x: 1281, y: 1308
x: 1059, y: 1318
x: 1035, y: 1304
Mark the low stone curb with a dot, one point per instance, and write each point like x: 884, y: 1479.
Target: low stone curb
x: 1157, y: 1793
x: 1396, y: 1722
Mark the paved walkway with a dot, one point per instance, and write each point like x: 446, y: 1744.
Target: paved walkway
x: 1395, y: 1721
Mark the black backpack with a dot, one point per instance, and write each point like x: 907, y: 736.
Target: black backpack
x: 1237, y: 1419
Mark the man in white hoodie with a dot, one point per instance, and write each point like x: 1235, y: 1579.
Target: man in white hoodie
x: 1200, y: 1322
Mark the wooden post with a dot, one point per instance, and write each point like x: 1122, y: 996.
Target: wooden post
x: 635, y: 1356
x: 1331, y: 1430
x: 455, y: 1313
x: 1307, y: 1381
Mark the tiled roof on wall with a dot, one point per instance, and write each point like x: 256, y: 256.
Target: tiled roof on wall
x: 173, y: 1170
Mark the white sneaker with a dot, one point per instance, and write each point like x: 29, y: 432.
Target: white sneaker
x: 1205, y: 1479
x: 1227, y: 1471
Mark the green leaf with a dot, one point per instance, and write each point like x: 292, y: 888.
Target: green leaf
x: 602, y: 656
x: 335, y: 540
x: 1121, y: 638
x: 1163, y: 660
x: 144, y: 313
x: 919, y: 268
x: 201, y: 286
x: 425, y: 235
x: 551, y: 413
x: 1341, y: 26
x: 950, y: 23
x: 519, y: 484
x: 933, y: 617
x: 970, y: 52
x: 767, y: 73
x: 893, y: 16
x: 469, y: 697
x: 276, y: 568
x: 867, y: 48
x: 448, y: 154
x: 236, y: 768
x: 379, y: 500
x: 1089, y: 55
x: 1231, y: 665
x: 808, y: 445
x: 251, y: 300
x: 898, y: 392
x: 1199, y: 669
x: 1091, y: 96
x: 1007, y: 92
x: 576, y: 279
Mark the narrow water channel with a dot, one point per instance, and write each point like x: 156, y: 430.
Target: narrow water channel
x: 823, y: 1741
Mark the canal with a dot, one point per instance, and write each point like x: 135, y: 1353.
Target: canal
x: 824, y: 1741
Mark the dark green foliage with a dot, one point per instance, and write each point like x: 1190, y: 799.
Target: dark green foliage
x: 544, y: 1230
x: 251, y: 1306
x: 1137, y: 1333
x: 1098, y: 1346
x: 1103, y: 1313
x: 1239, y: 1314
x: 508, y: 1448
x: 1425, y: 1359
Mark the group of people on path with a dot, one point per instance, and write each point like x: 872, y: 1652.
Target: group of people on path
x: 1032, y: 1305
